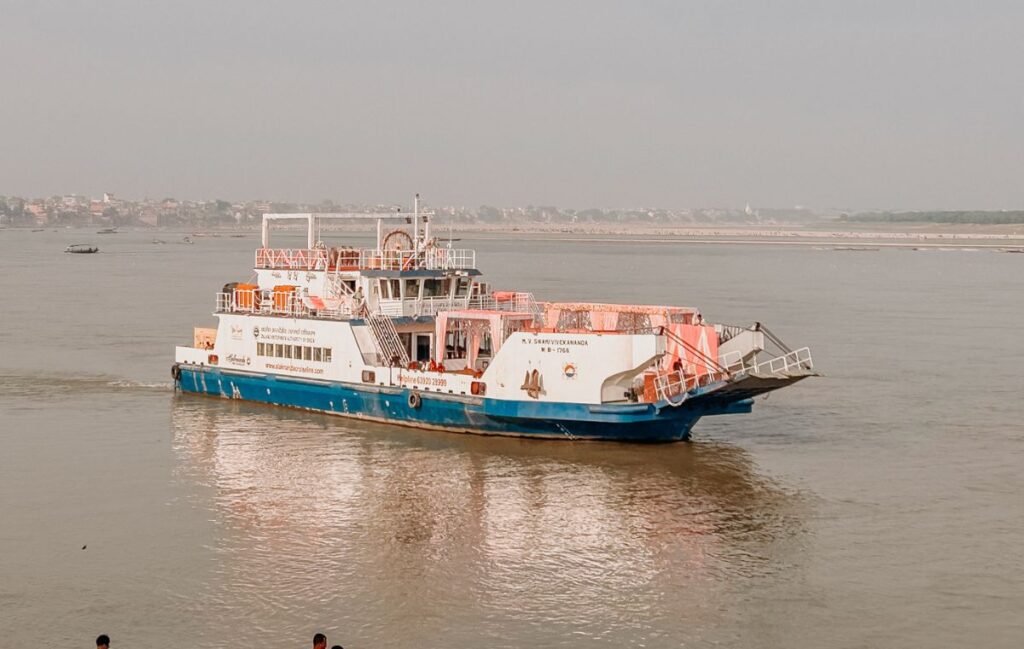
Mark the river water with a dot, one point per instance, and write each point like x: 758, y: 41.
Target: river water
x: 878, y: 506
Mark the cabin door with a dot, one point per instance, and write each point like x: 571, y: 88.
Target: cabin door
x: 422, y: 347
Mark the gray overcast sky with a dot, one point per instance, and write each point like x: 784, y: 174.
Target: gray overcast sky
x: 859, y: 104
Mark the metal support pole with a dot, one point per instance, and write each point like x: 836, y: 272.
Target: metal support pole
x: 416, y: 224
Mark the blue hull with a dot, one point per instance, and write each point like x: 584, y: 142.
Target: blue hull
x: 627, y: 422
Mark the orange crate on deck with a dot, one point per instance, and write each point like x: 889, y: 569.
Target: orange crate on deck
x: 244, y: 295
x: 281, y: 295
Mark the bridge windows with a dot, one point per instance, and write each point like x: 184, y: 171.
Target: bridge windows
x: 436, y: 287
x: 412, y: 289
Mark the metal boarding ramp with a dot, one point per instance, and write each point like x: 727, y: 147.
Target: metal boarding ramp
x: 748, y: 380
x: 738, y: 376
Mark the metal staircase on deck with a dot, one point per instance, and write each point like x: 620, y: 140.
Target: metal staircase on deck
x: 336, y: 287
x: 388, y: 343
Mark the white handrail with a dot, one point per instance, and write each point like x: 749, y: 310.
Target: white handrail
x: 365, y: 258
x: 798, y: 359
x: 669, y: 385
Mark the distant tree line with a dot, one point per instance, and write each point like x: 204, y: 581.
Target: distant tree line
x: 981, y: 217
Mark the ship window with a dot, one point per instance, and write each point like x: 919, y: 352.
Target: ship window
x: 462, y: 287
x: 259, y: 349
x: 327, y: 354
x: 412, y: 289
x: 435, y: 287
x: 287, y: 351
x: 307, y: 353
x: 396, y: 287
x: 318, y: 354
x: 279, y: 350
x: 297, y: 352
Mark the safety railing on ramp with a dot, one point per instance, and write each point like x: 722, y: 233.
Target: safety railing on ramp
x: 796, y: 360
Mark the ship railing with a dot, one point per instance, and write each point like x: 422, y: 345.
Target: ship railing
x: 393, y: 308
x: 365, y: 259
x: 292, y: 258
x: 512, y: 302
x: 426, y: 259
x: 258, y: 302
x: 373, y: 259
x: 450, y: 259
x: 437, y: 304
x: 506, y: 301
x: 670, y: 386
x: 732, y: 361
x: 796, y: 360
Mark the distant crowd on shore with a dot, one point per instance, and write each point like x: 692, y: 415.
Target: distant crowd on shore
x: 319, y: 642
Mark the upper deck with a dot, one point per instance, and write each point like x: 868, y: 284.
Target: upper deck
x: 365, y: 259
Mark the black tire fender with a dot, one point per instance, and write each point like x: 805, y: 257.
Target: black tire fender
x: 415, y: 400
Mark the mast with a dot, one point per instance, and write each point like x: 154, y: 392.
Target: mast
x: 416, y: 224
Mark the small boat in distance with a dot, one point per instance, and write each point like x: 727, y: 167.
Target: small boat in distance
x: 107, y: 231
x: 82, y: 248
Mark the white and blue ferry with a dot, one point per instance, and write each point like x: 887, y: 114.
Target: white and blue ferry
x: 407, y: 333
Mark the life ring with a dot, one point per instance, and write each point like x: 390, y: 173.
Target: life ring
x: 415, y: 401
x: 175, y: 371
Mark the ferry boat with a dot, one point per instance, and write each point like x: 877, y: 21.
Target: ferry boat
x: 406, y: 332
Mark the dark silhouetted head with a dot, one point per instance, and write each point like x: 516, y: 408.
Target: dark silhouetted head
x: 103, y: 642
x: 319, y: 641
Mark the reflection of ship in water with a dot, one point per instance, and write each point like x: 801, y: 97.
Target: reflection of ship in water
x: 437, y: 522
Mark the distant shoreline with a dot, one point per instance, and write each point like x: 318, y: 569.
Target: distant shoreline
x: 850, y: 237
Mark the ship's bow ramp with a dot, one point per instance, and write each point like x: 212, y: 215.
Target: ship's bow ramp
x: 758, y: 362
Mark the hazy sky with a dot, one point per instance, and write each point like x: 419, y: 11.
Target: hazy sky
x: 858, y: 104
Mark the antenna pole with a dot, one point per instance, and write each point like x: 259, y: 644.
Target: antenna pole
x: 416, y: 223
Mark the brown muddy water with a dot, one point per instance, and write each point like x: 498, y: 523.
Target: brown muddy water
x: 880, y: 506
